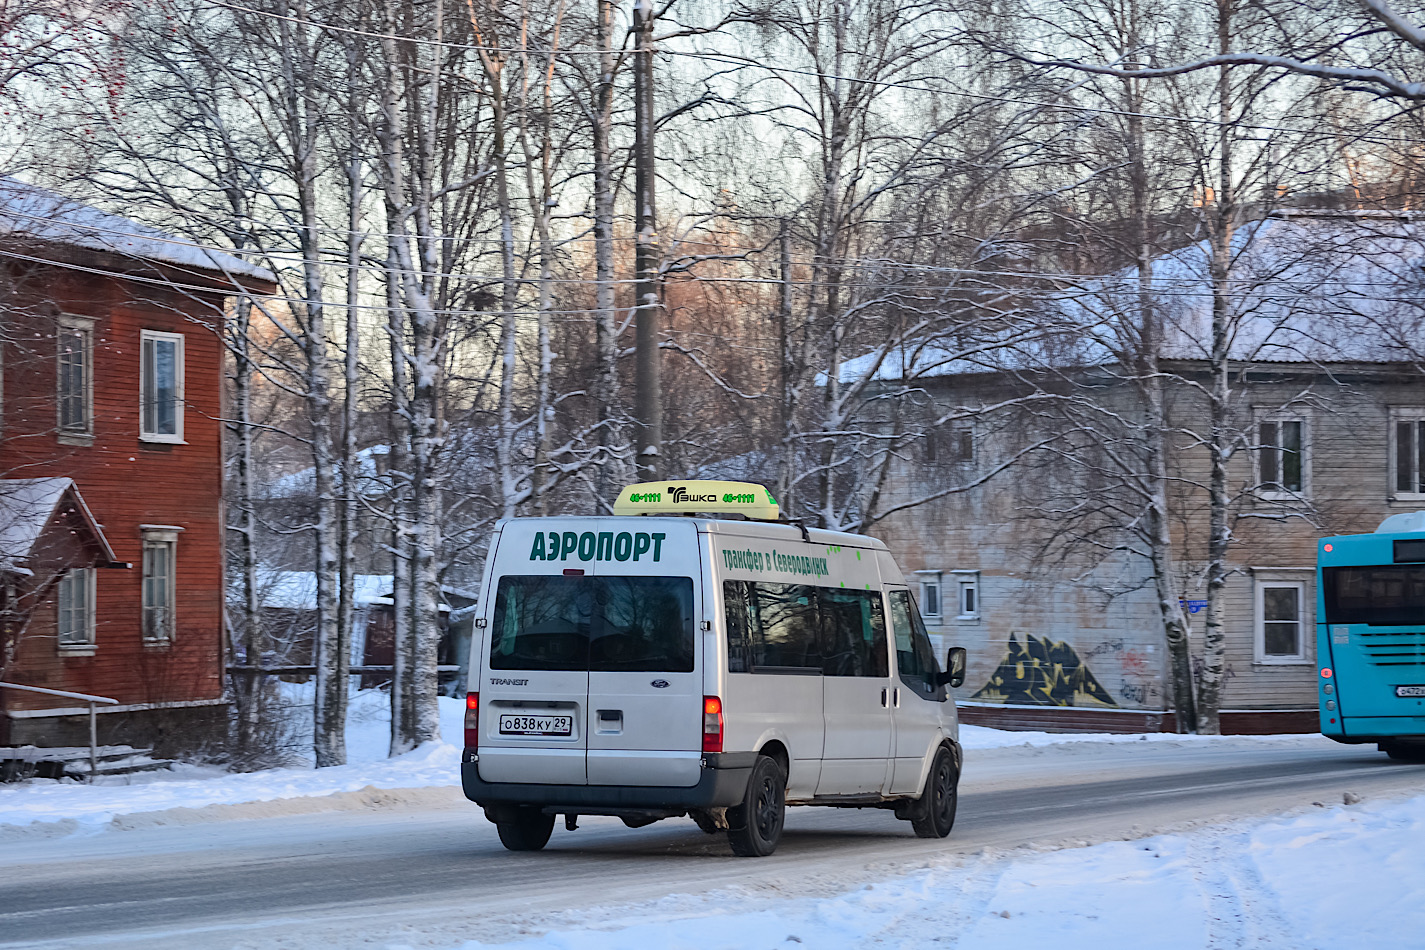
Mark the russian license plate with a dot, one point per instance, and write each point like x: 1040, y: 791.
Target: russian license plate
x: 1410, y: 692
x: 548, y: 725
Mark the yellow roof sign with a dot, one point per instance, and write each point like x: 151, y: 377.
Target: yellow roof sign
x: 684, y: 497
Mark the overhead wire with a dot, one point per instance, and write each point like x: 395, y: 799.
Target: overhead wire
x: 1100, y: 280
x: 728, y: 59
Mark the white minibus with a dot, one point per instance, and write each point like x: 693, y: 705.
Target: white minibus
x: 692, y: 655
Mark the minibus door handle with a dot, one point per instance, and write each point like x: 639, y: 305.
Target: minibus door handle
x: 883, y: 696
x: 897, y: 695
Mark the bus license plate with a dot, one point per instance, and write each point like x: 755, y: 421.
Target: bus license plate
x: 512, y: 725
x: 1411, y: 692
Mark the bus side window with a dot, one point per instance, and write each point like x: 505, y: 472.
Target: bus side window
x: 915, y: 657
x: 785, y: 627
x: 735, y: 596
x: 853, y: 633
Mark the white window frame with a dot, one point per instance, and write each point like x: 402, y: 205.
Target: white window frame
x: 74, y: 435
x: 1284, y: 494
x: 87, y: 646
x: 931, y: 579
x: 145, y: 337
x: 967, y: 580
x: 1416, y: 416
x: 1306, y: 626
x: 156, y: 536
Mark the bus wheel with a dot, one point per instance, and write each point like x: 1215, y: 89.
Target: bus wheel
x: 755, y: 826
x: 525, y: 829
x: 934, y: 814
x: 1403, y: 751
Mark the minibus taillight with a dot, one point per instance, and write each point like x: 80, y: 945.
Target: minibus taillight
x: 712, y: 724
x: 472, y: 720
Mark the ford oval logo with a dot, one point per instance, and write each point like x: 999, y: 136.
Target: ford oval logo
x: 660, y: 684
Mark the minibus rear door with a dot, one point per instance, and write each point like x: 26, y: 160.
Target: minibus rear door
x: 645, y: 682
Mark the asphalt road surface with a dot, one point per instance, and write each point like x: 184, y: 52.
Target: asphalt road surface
x: 429, y: 865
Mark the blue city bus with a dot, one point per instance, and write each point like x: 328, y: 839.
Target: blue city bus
x: 1370, y: 636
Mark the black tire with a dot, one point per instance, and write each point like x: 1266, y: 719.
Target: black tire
x: 934, y: 814
x: 1403, y: 751
x: 526, y: 830
x: 755, y: 826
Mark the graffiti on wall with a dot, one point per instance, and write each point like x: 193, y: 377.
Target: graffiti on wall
x: 1043, y: 673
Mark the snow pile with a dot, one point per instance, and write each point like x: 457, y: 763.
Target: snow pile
x: 982, y: 737
x: 1341, y: 879
x: 367, y: 739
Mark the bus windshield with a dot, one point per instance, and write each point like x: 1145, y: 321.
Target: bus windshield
x: 554, y: 622
x: 1385, y: 595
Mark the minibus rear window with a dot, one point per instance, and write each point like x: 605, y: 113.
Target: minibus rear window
x: 1384, y: 595
x: 600, y: 624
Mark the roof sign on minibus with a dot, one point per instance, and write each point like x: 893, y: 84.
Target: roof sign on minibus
x: 687, y: 497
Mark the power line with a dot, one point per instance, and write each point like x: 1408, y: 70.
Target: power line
x: 731, y: 60
x: 860, y: 263
x: 404, y: 39
x: 1012, y: 100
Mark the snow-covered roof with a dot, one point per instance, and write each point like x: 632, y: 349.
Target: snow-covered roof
x: 369, y: 478
x: 297, y: 590
x: 27, y: 505
x: 31, y: 211
x: 1307, y: 287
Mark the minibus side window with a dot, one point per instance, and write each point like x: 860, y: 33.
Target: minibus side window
x: 735, y: 595
x: 786, y: 631
x: 853, y: 633
x: 915, y: 657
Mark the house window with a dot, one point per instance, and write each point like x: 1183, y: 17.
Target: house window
x: 1281, y: 456
x: 1281, y: 625
x: 161, y: 387
x: 76, y: 610
x: 160, y: 543
x: 969, y: 605
x: 930, y: 596
x: 1408, y: 453
x: 951, y: 446
x: 74, y: 377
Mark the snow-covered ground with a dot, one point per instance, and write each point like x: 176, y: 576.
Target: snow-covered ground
x: 79, y: 806
x: 1347, y: 878
x: 1340, y: 877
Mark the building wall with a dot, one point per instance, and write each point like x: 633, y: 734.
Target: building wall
x: 1099, y: 617
x: 125, y: 481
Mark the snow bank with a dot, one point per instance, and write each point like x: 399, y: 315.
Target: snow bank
x: 367, y: 741
x: 982, y: 737
x: 1343, y: 879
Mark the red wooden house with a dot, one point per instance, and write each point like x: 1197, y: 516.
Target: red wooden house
x: 111, y: 473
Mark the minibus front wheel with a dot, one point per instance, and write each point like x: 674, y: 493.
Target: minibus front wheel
x: 755, y: 826
x: 933, y: 815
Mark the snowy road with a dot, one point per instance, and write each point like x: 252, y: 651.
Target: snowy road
x: 429, y: 863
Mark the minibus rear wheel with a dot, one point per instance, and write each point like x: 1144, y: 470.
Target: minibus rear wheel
x: 525, y: 829
x: 755, y: 826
